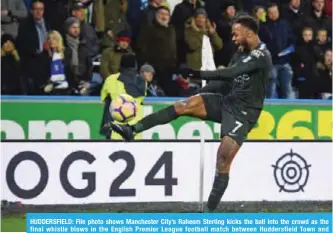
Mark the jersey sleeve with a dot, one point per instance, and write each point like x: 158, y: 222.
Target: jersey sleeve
x: 254, y: 61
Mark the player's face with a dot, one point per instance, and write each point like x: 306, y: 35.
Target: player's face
x: 239, y: 35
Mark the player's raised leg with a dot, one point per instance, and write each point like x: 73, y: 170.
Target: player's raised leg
x: 193, y: 106
x: 226, y: 153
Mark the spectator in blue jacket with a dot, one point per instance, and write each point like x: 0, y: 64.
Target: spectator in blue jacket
x: 279, y: 38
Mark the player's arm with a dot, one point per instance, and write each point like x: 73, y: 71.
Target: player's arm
x: 249, y: 64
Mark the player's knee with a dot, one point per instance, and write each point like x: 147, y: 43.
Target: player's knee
x: 185, y: 107
x: 226, y: 153
x: 180, y: 107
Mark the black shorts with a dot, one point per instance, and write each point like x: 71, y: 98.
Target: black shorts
x: 233, y: 124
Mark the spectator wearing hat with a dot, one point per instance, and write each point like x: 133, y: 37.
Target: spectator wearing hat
x: 80, y: 63
x: 147, y: 72
x: 88, y: 33
x: 32, y: 35
x: 12, y: 11
x: 202, y: 40
x: 125, y: 82
x: 10, y: 67
x: 157, y: 46
x: 182, y: 12
x: 223, y: 29
x: 111, y: 57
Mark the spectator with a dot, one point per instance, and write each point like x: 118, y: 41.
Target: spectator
x: 223, y: 28
x: 318, y: 19
x: 56, y: 12
x: 304, y: 64
x: 80, y: 63
x: 147, y: 72
x: 182, y: 12
x: 202, y: 40
x: 322, y: 43
x: 12, y: 11
x: 125, y: 82
x: 10, y: 67
x: 57, y: 78
x: 32, y: 35
x: 87, y: 31
x: 110, y: 14
x: 294, y: 14
x: 157, y: 46
x: 324, y: 81
x: 111, y: 57
x: 259, y: 13
x: 278, y: 36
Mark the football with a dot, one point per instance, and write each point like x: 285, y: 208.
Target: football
x: 123, y: 108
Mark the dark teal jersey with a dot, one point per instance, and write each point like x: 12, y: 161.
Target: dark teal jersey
x: 249, y: 74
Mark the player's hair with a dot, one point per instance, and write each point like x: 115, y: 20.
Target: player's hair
x: 248, y: 22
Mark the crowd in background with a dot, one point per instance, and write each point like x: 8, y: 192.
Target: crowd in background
x: 69, y: 47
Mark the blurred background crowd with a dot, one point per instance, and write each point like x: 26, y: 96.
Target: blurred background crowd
x: 70, y: 47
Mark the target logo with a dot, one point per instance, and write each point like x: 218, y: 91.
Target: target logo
x: 291, y: 172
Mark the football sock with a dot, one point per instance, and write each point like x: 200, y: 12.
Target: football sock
x: 158, y: 118
x: 220, y: 184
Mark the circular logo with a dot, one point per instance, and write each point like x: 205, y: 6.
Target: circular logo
x: 291, y: 172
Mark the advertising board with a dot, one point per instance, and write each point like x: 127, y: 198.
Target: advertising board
x: 102, y: 172
x: 81, y: 120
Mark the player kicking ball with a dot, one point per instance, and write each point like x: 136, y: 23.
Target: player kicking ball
x: 237, y: 109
